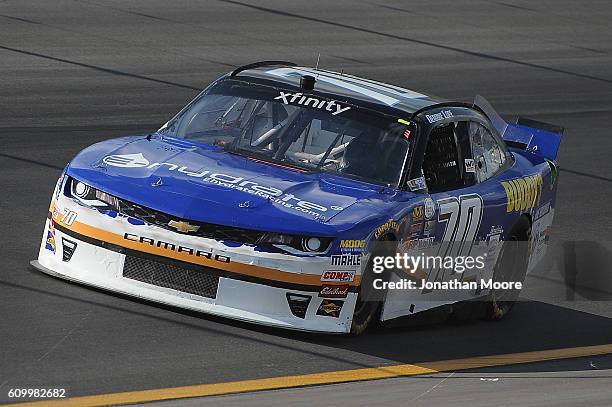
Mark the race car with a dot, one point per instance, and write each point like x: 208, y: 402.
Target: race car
x: 269, y: 197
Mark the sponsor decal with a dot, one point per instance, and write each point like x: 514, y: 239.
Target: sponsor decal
x: 173, y: 247
x: 309, y: 101
x: 470, y: 166
x: 416, y: 184
x: 69, y: 217
x: 542, y: 210
x: 339, y: 276
x: 182, y: 226
x: 334, y: 291
x: 275, y: 195
x: 346, y: 260
x: 493, y: 239
x: 418, y: 213
x: 416, y: 229
x: 352, y: 245
x: 330, y: 308
x: 436, y: 117
x: 430, y: 228
x: 523, y: 193
x: 50, y: 243
x: 495, y: 230
x: 419, y: 244
x: 430, y: 208
x: 126, y: 160
x: 385, y: 227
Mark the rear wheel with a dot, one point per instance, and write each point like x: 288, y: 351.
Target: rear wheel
x: 511, y: 266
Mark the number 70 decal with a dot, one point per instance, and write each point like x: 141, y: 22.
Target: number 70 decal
x: 462, y: 217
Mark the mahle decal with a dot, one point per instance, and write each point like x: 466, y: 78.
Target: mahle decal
x: 523, y: 193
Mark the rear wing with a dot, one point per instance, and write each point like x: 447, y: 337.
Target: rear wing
x: 529, y: 135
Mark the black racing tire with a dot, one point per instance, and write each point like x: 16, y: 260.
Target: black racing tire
x: 367, y: 311
x: 511, y: 265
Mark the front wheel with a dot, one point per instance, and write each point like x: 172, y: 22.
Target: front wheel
x: 369, y: 301
x: 511, y: 266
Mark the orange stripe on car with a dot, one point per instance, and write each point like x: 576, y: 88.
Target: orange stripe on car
x: 232, y: 266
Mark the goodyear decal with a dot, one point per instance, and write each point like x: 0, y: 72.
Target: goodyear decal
x: 385, y: 227
x: 523, y: 193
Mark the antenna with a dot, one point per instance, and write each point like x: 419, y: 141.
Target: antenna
x: 317, y: 67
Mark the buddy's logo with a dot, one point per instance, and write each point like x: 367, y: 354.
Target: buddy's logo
x: 523, y: 193
x: 300, y: 99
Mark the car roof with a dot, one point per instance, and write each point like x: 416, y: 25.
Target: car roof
x: 344, y: 85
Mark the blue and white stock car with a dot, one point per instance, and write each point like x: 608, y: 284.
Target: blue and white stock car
x: 263, y: 199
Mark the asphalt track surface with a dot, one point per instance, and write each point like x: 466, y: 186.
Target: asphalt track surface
x: 76, y: 72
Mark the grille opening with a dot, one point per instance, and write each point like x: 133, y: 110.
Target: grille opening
x: 194, y: 280
x: 68, y: 248
x: 298, y: 304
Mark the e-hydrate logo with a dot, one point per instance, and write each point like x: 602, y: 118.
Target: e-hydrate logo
x: 126, y: 160
x: 226, y: 180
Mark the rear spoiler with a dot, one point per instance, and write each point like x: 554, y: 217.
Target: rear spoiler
x: 526, y: 134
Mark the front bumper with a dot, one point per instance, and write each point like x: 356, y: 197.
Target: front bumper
x: 251, y: 286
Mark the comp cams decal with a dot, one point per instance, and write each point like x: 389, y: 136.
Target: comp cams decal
x: 275, y: 195
x: 338, y: 276
x: 309, y: 101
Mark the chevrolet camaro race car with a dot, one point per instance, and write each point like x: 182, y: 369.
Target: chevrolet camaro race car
x: 268, y: 197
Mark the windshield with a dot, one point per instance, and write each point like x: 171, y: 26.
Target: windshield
x: 295, y: 129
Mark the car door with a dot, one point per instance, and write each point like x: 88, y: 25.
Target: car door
x: 460, y: 204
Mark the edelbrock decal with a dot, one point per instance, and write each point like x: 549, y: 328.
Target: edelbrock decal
x: 275, y: 195
x: 301, y: 99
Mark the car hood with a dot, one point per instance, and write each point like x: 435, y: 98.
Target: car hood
x: 204, y: 183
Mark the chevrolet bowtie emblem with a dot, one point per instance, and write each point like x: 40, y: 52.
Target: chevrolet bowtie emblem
x: 181, y: 226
